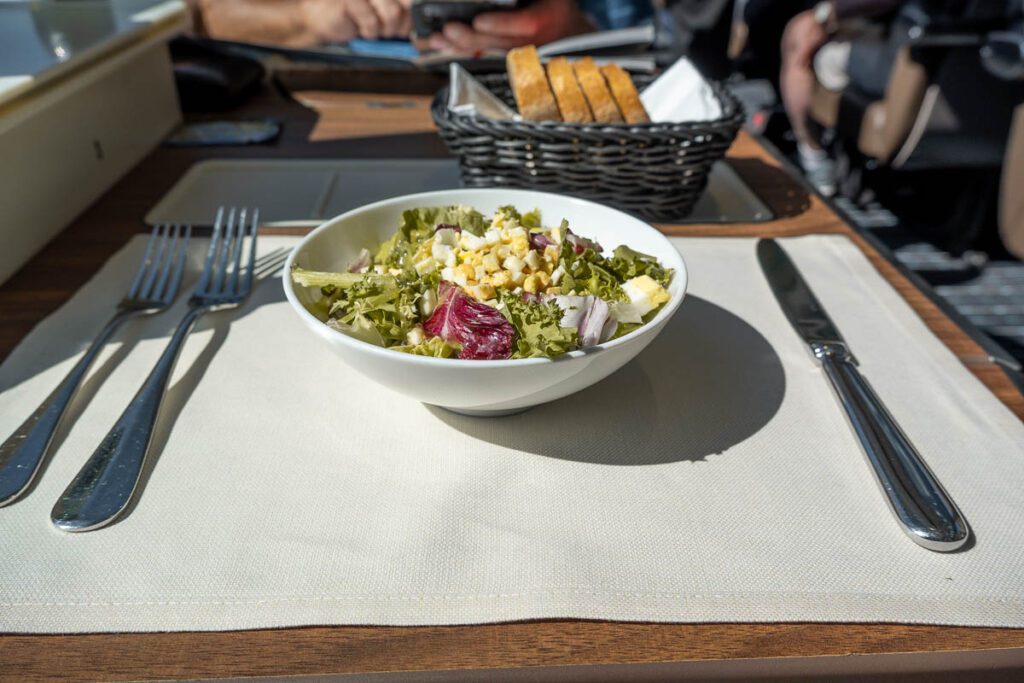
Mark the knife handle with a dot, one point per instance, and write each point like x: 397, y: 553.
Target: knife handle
x: 923, y: 508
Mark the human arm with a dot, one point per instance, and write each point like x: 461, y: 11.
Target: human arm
x: 536, y: 24
x: 302, y: 23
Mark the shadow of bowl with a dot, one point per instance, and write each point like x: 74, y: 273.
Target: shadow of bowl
x: 708, y: 382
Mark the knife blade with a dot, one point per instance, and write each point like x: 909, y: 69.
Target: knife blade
x: 920, y: 504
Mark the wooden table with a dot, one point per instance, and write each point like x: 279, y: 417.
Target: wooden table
x: 356, y: 125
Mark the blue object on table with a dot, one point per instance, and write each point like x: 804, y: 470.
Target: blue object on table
x: 400, y: 49
x: 612, y: 14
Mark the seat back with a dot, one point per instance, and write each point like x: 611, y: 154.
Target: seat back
x: 887, y: 123
x: 964, y: 115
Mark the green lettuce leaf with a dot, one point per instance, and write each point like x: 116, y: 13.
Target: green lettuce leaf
x: 538, y: 333
x: 625, y: 328
x: 390, y: 249
x: 419, y: 224
x: 316, y: 278
x: 511, y: 212
x: 589, y: 273
x: 628, y: 264
x: 380, y: 309
x: 435, y: 347
x: 530, y: 219
x: 361, y: 328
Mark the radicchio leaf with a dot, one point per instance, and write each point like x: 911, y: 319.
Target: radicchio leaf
x: 581, y: 244
x: 483, y: 332
x: 447, y: 226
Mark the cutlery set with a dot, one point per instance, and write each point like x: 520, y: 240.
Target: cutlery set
x: 107, y: 482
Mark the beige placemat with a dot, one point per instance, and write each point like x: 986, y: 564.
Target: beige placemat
x: 712, y: 479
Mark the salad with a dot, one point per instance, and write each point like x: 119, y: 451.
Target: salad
x: 451, y: 283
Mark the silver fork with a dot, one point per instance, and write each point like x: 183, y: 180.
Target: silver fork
x: 107, y: 482
x: 152, y: 290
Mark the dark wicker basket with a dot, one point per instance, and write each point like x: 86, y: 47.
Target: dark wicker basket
x: 655, y: 170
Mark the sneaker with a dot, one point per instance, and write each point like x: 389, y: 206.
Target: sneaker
x: 820, y: 170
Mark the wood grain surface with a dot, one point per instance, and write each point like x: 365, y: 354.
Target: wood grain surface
x: 349, y: 125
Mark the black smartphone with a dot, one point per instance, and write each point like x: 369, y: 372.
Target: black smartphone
x: 430, y: 16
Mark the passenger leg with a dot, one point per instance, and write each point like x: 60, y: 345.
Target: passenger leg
x: 801, y: 40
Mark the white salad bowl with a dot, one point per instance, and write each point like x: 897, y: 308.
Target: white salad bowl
x: 481, y: 387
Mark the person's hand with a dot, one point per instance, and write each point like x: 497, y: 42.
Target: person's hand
x: 338, y: 21
x: 539, y: 23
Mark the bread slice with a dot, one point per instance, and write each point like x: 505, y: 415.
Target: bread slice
x: 571, y: 103
x: 596, y: 91
x: 530, y: 85
x: 625, y: 94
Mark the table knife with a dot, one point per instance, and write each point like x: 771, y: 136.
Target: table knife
x: 922, y: 507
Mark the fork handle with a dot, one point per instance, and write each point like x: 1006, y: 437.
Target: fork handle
x: 22, y: 453
x: 104, y: 486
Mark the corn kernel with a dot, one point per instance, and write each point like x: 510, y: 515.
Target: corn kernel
x: 553, y: 290
x: 551, y: 253
x: 501, y: 279
x: 530, y: 284
x: 467, y: 271
x: 543, y: 278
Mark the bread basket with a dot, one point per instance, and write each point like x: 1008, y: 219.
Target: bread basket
x: 655, y: 170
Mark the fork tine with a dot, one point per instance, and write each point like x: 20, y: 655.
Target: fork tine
x: 133, y: 290
x: 179, y: 269
x: 146, y: 290
x: 164, y: 264
x: 218, y: 228
x: 252, y: 253
x: 220, y: 272
x: 237, y: 256
x: 163, y: 292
